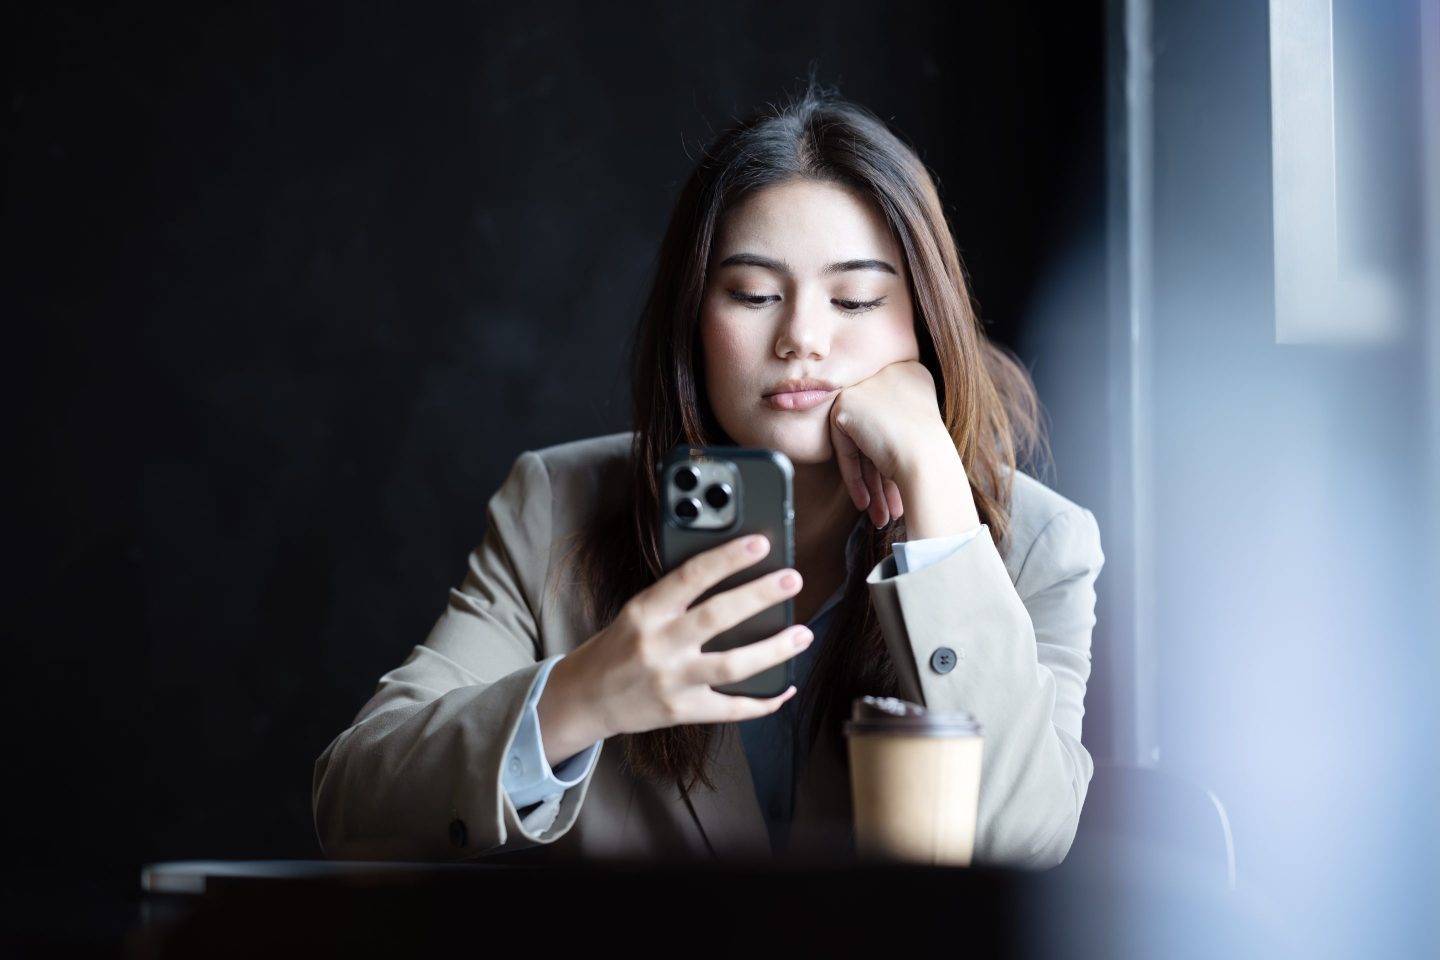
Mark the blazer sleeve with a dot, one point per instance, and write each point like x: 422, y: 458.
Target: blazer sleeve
x: 419, y: 775
x: 1021, y: 662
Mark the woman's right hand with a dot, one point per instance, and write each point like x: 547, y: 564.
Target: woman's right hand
x: 646, y: 670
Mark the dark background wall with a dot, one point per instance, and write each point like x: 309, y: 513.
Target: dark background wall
x: 287, y: 290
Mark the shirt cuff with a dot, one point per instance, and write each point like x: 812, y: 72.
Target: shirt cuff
x: 528, y: 777
x: 915, y: 554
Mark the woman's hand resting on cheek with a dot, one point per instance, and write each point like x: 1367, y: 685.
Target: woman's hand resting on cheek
x: 893, y: 448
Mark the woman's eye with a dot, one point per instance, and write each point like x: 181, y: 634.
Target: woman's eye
x: 756, y: 300
x: 860, y: 306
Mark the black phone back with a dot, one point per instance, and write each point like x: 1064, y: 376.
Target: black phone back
x: 712, y: 495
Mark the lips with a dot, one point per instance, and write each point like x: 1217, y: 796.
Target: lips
x: 799, y: 399
x: 800, y: 393
x: 802, y: 385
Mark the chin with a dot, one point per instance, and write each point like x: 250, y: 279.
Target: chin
x: 807, y: 442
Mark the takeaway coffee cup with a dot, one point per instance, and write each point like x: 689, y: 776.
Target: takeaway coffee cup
x: 914, y: 780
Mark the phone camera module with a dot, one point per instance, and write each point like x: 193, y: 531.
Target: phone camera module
x: 718, y: 495
x: 700, y: 492
x: 687, y: 478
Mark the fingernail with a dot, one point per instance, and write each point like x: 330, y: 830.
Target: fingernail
x: 803, y: 636
x: 756, y: 544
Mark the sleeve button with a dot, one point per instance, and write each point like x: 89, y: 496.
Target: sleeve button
x: 943, y: 660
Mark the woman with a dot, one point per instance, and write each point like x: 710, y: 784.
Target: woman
x: 561, y: 702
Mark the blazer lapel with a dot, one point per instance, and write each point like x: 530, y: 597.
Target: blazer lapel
x: 823, y: 822
x: 729, y: 817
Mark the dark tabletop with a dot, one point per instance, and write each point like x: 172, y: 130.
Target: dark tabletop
x: 251, y: 908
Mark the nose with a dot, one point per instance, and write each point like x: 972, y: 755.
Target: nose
x: 804, y: 331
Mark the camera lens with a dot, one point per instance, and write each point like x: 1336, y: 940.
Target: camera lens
x: 687, y: 478
x: 687, y: 509
x: 718, y: 495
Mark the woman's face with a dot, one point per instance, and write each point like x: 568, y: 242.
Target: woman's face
x: 829, y: 298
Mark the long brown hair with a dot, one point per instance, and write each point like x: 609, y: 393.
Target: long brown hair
x: 985, y: 395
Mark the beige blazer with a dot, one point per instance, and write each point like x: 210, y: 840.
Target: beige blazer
x: 418, y: 774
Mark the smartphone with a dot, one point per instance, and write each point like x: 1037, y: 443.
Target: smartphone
x: 710, y: 495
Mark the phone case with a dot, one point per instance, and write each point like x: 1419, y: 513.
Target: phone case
x: 763, y: 503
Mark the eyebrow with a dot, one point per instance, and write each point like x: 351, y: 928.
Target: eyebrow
x: 781, y: 267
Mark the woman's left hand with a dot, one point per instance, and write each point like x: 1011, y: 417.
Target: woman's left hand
x: 883, y: 429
